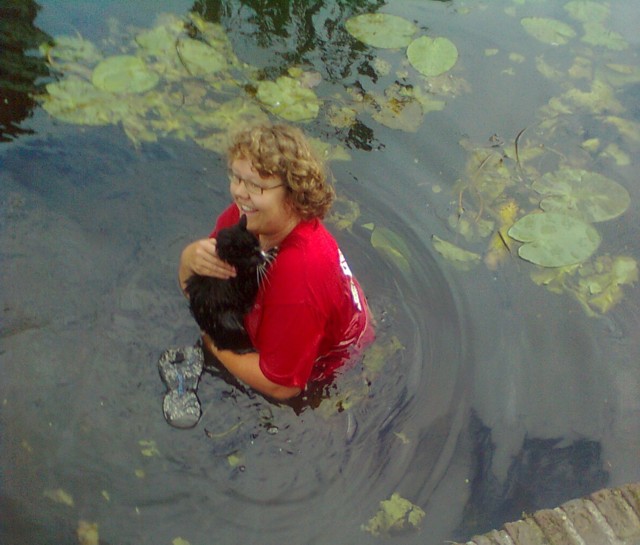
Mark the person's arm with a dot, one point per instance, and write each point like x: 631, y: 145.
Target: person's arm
x: 246, y: 367
x: 200, y: 257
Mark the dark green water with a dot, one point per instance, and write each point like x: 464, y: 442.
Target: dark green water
x: 506, y: 397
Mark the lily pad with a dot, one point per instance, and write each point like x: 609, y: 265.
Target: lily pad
x: 432, y: 56
x: 286, y: 98
x: 396, y: 513
x: 73, y: 100
x: 554, y: 240
x: 596, y: 33
x: 588, y: 195
x: 460, y: 258
x: 72, y: 48
x: 124, y: 74
x: 587, y: 10
x: 199, y: 58
x: 381, y: 30
x: 390, y: 244
x: 548, y: 31
x: 601, y: 284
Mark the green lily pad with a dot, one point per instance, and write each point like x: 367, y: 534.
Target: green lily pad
x: 548, y: 31
x: 286, y: 98
x: 199, y: 58
x: 432, y: 56
x: 73, y: 100
x: 389, y: 243
x: 158, y: 41
x: 587, y: 11
x: 72, y: 48
x: 124, y: 74
x: 554, y: 240
x: 600, y: 285
x: 460, y: 258
x: 396, y: 513
x: 381, y: 30
x: 588, y: 195
x: 596, y: 33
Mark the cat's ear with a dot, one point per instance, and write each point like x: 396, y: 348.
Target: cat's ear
x: 243, y: 221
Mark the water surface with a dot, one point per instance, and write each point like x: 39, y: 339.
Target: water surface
x: 505, y: 398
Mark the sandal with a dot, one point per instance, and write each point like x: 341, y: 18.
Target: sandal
x: 180, y: 370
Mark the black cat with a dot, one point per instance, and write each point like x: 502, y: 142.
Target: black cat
x: 219, y: 306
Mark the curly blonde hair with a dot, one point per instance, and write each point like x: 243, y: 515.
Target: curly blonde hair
x: 283, y: 151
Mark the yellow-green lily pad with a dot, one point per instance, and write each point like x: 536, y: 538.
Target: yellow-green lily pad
x: 587, y: 11
x: 199, y: 58
x: 548, y: 31
x: 554, y: 240
x: 460, y: 258
x: 381, y: 30
x: 432, y: 56
x: 286, y: 98
x: 596, y: 33
x: 396, y: 513
x: 601, y: 284
x: 72, y: 48
x: 73, y: 100
x: 124, y: 74
x: 588, y: 195
x: 390, y: 244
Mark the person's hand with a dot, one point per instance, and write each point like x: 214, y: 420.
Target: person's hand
x: 200, y: 257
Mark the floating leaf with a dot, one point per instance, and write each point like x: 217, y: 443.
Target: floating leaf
x: 199, y: 58
x: 398, y: 113
x: 148, y: 448
x: 72, y: 48
x: 499, y: 247
x: 381, y: 30
x: 601, y: 284
x: 396, y: 513
x: 390, y: 244
x: 59, y: 496
x: 587, y: 11
x: 88, y: 533
x: 629, y: 129
x: 328, y: 152
x: 597, y: 34
x: 377, y: 355
x: 124, y: 74
x: 432, y: 56
x: 180, y: 541
x: 286, y: 98
x: 548, y: 31
x: 588, y: 195
x: 461, y: 259
x: 235, y: 459
x: 73, y: 100
x: 554, y: 240
x: 159, y: 41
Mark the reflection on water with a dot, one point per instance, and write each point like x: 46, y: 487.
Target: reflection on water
x: 19, y: 66
x: 503, y: 398
x: 543, y: 474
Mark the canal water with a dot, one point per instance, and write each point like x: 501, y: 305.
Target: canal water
x: 496, y: 386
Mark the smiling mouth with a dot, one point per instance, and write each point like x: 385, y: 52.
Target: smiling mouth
x: 245, y: 208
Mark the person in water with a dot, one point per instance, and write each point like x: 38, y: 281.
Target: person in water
x: 310, y: 315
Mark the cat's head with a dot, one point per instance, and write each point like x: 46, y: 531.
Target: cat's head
x: 239, y: 247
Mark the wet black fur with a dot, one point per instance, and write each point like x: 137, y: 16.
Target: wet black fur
x: 219, y: 306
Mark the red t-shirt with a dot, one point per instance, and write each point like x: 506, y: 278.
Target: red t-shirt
x: 310, y: 314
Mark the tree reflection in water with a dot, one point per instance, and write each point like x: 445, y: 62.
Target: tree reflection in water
x: 20, y: 65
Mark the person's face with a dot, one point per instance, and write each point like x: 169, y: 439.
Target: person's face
x: 262, y: 200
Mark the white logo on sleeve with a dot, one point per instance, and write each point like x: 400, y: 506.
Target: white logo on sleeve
x: 347, y: 272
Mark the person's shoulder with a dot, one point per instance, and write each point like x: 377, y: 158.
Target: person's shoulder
x: 227, y: 218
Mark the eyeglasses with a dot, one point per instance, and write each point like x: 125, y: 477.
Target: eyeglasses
x: 251, y: 187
